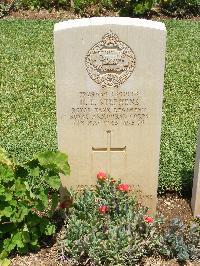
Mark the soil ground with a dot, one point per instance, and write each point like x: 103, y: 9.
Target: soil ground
x: 170, y: 206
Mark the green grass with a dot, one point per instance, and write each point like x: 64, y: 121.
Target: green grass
x: 27, y: 95
x: 181, y: 110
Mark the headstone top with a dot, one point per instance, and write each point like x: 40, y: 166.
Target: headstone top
x: 98, y: 21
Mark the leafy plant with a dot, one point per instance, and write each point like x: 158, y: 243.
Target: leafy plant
x: 5, y: 8
x: 28, y: 199
x: 134, y: 7
x: 174, y: 245
x: 193, y: 242
x: 180, y: 8
x: 81, y: 5
x: 105, y: 226
x: 39, y: 4
x: 181, y: 243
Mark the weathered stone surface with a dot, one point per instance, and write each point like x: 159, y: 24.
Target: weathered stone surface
x: 109, y: 86
x: 196, y: 181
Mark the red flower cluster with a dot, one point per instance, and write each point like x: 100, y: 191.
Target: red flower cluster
x: 103, y: 209
x: 123, y: 187
x: 101, y: 176
x: 148, y: 219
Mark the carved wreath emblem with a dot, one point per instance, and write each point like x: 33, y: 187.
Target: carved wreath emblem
x: 110, y: 62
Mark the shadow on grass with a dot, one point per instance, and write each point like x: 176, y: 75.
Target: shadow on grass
x: 187, y: 182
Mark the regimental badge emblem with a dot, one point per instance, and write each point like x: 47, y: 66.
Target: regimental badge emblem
x: 110, y: 62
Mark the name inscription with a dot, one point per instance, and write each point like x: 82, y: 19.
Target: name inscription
x: 109, y: 108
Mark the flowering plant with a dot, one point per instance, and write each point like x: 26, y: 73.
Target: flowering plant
x: 105, y: 226
x: 148, y: 219
x: 101, y: 176
x: 103, y: 209
x: 123, y: 187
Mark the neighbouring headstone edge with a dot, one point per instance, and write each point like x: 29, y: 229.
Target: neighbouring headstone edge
x: 196, y: 176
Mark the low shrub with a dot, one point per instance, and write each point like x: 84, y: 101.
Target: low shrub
x: 26, y: 193
x: 180, y: 242
x: 5, y: 8
x: 7, y: 5
x: 125, y: 8
x: 105, y: 226
x: 134, y: 7
x: 180, y: 8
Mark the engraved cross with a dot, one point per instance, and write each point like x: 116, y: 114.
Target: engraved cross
x: 109, y: 149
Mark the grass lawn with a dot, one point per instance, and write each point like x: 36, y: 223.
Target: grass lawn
x: 27, y: 95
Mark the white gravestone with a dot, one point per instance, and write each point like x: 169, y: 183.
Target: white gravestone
x: 196, y: 181
x: 109, y: 86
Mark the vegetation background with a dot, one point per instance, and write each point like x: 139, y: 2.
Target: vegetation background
x: 178, y: 8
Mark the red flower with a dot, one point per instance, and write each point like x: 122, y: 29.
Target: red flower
x: 123, y: 187
x: 148, y: 219
x: 101, y: 176
x: 103, y: 209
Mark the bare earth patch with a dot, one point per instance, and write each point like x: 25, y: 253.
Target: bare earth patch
x: 171, y: 206
x: 54, y: 14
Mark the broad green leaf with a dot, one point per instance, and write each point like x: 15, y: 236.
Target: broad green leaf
x: 54, y: 203
x: 55, y: 161
x: 23, y: 211
x: 17, y: 239
x: 139, y: 9
x: 53, y: 181
x: 8, y: 245
x: 4, y: 158
x: 3, y: 254
x: 32, y: 195
x: 5, y: 262
x: 40, y: 206
x: 43, y: 196
x: 50, y: 229
x: 7, y: 212
x: 8, y: 196
x: 35, y: 172
x: 20, y: 188
x: 34, y: 240
x: 13, y: 203
x: 33, y: 220
x: 26, y: 237
x: 2, y: 190
x: 6, y: 174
